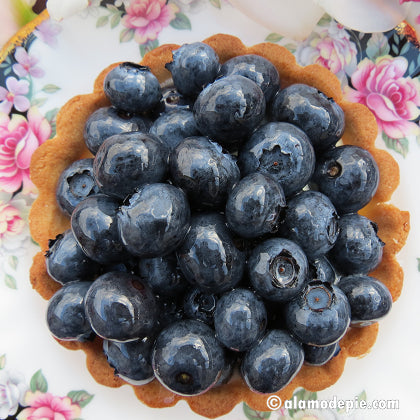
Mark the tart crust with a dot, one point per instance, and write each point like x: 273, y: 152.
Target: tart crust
x: 46, y: 221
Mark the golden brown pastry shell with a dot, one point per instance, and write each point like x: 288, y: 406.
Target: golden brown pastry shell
x: 46, y: 221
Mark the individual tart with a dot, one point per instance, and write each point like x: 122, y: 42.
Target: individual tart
x: 47, y: 221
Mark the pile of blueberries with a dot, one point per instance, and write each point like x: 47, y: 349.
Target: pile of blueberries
x: 215, y: 228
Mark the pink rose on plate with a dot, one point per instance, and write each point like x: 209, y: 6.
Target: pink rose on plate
x: 393, y: 98
x: 19, y: 137
x: 147, y: 18
x: 11, y: 222
x: 45, y: 406
x: 331, y: 48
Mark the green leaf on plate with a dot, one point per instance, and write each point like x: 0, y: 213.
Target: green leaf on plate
x: 50, y: 88
x: 38, y: 382
x: 325, y: 20
x: 126, y: 35
x: 102, y: 21
x: 362, y: 396
x: 418, y: 264
x: 400, y: 146
x: 13, y: 261
x: 38, y: 101
x: 253, y: 414
x: 273, y: 37
x: 10, y: 281
x: 181, y: 21
x: 2, y: 361
x: 377, y: 46
x: 216, y: 3
x: 82, y: 398
x: 148, y: 46
x: 115, y: 20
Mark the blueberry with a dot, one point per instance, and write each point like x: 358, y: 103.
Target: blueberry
x: 282, y: 151
x: 255, y: 206
x: 201, y: 168
x: 311, y: 221
x: 199, y: 305
x: 170, y: 311
x: 318, y: 356
x: 319, y: 315
x: 208, y: 257
x: 231, y: 359
x: 278, y: 269
x: 272, y: 363
x: 132, y: 361
x: 257, y: 68
x: 94, y: 225
x: 162, y: 275
x: 132, y: 88
x: 229, y: 109
x: 120, y: 307
x: 76, y: 183
x: 154, y: 220
x: 358, y: 249
x: 194, y: 66
x: 322, y: 269
x: 320, y: 117
x: 349, y: 176
x: 67, y: 262
x: 240, y: 319
x: 66, y: 318
x: 369, y: 299
x: 107, y: 121
x: 187, y: 359
x: 126, y: 161
x: 173, y: 126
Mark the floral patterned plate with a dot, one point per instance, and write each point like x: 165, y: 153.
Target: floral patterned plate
x: 48, y: 62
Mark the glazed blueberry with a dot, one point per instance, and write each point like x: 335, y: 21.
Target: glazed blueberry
x: 272, y: 363
x: 229, y: 109
x: 187, y: 359
x: 174, y: 126
x: 322, y: 269
x: 170, y: 311
x: 193, y: 67
x: 257, y: 68
x: 319, y: 315
x: 75, y: 184
x: 199, y: 305
x: 320, y: 117
x: 311, y: 221
x: 255, y: 206
x: 172, y: 99
x: 126, y: 161
x: 349, y: 176
x: 107, y: 121
x: 132, y: 88
x: 154, y: 220
x: 282, y: 151
x: 358, y: 249
x: 208, y: 257
x: 162, y: 275
x: 369, y: 299
x: 94, y: 225
x: 318, y: 356
x: 120, y: 307
x: 132, y: 361
x: 67, y: 262
x: 240, y: 319
x: 278, y: 269
x: 201, y: 168
x: 66, y: 318
x: 231, y: 358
